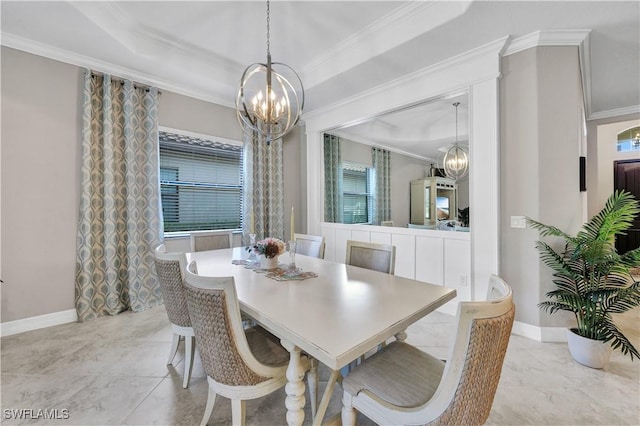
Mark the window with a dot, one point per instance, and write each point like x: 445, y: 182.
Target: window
x: 629, y: 140
x: 357, y: 193
x: 200, y: 183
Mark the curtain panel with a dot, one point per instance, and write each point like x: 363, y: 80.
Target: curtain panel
x: 264, y: 188
x: 333, y: 203
x: 120, y: 216
x: 382, y: 199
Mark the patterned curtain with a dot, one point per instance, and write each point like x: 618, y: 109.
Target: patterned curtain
x: 264, y: 188
x: 333, y: 207
x: 120, y: 216
x: 382, y: 170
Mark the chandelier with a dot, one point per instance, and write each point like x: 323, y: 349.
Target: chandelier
x: 270, y: 98
x: 456, y: 160
x: 636, y: 141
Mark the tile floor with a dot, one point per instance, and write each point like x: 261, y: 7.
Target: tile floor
x: 112, y: 372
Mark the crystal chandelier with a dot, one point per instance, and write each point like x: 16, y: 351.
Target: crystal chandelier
x: 270, y: 98
x: 456, y: 160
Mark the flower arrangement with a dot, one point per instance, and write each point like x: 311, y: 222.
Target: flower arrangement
x: 269, y: 247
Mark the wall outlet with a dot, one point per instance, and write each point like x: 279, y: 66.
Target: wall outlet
x: 463, y: 280
x: 518, y: 222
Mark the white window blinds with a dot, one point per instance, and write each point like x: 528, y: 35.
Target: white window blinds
x: 200, y: 183
x: 357, y: 193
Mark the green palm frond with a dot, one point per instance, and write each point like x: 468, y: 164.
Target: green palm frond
x: 615, y: 218
x: 619, y: 340
x: 631, y: 259
x: 547, y: 230
x: 625, y: 299
x: 554, y: 260
x: 592, y: 280
x: 553, y: 307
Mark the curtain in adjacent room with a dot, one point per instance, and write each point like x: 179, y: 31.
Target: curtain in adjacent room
x: 264, y: 187
x: 120, y: 217
x: 382, y: 171
x: 333, y: 205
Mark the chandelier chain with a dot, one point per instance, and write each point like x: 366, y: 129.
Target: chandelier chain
x: 268, y: 29
x: 273, y: 109
x: 456, y: 105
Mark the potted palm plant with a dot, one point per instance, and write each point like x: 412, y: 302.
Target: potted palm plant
x: 594, y: 281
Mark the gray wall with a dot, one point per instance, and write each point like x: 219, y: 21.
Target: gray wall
x: 41, y: 101
x: 540, y: 123
x: 40, y: 173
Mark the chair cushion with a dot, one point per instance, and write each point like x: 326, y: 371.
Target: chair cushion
x: 399, y: 374
x: 266, y: 347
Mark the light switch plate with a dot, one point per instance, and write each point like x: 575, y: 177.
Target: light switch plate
x: 518, y: 222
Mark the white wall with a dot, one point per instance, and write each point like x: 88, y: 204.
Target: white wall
x: 437, y: 257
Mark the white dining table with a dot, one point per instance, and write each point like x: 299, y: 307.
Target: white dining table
x: 335, y: 317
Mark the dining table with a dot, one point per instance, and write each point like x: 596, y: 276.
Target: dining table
x: 335, y: 316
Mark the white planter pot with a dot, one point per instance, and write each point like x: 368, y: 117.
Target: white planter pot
x: 268, y: 263
x: 589, y: 352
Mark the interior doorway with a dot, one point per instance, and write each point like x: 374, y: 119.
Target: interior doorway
x: 626, y: 175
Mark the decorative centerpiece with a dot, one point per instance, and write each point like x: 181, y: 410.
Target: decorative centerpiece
x: 268, y: 249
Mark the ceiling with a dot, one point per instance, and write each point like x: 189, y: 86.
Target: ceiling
x: 339, y: 48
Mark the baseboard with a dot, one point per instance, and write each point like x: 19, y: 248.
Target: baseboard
x: 541, y: 334
x: 554, y: 334
x: 41, y: 321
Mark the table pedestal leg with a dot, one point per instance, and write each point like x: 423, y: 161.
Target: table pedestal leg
x: 401, y: 336
x: 295, y: 385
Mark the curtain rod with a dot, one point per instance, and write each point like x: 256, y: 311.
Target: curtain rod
x: 122, y: 80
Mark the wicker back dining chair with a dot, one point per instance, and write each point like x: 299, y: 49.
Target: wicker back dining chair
x: 170, y: 270
x: 403, y: 385
x: 309, y: 245
x: 377, y: 257
x: 211, y: 240
x: 240, y: 363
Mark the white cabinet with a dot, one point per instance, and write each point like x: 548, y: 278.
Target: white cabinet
x: 433, y: 199
x: 437, y: 257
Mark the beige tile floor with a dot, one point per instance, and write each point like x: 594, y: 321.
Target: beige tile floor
x: 112, y: 372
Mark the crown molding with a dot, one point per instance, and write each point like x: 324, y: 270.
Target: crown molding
x: 368, y: 142
x: 491, y: 49
x: 547, y: 38
x: 401, y: 25
x: 618, y: 112
x: 578, y: 38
